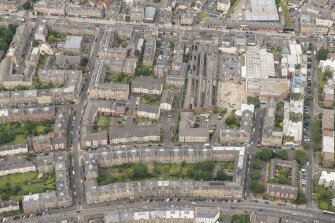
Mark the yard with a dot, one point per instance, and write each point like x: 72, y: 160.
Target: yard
x: 286, y: 14
x: 16, y: 185
x: 323, y: 197
x: 279, y: 116
x: 232, y: 121
x: 322, y: 80
x: 155, y: 171
x: 120, y: 78
x: 102, y: 123
x: 150, y: 100
x: 16, y: 133
x: 54, y: 36
x: 283, y: 176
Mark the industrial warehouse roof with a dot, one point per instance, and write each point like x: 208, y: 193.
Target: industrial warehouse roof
x: 262, y: 10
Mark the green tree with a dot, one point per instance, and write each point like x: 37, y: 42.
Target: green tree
x: 16, y: 190
x: 265, y: 154
x: 256, y: 174
x: 130, y: 173
x: 221, y: 175
x: 301, y: 157
x: 254, y: 101
x: 140, y: 171
x: 257, y: 164
x: 27, y: 5
x: 155, y: 171
x: 282, y: 154
x: 301, y: 197
x: 257, y: 187
x: 4, y: 196
x: 51, y: 39
x: 322, y: 54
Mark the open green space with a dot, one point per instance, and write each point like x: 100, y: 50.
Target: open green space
x: 317, y: 134
x: 6, y: 36
x: 294, y: 117
x: 150, y: 100
x: 122, y: 43
x: 55, y: 36
x: 232, y: 121
x: 296, y: 96
x: 15, y: 186
x: 120, y: 78
x: 253, y: 101
x: 16, y: 133
x: 322, y: 81
x: 142, y: 70
x: 323, y: 197
x: 279, y: 118
x: 240, y: 218
x: 155, y: 171
x: 101, y: 124
x: 221, y: 111
x: 286, y: 14
x: 283, y: 176
x: 322, y: 54
x: 202, y: 15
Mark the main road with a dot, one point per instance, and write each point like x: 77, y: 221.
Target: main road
x: 271, y: 210
x: 78, y: 174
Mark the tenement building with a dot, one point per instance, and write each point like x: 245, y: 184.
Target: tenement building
x: 106, y: 157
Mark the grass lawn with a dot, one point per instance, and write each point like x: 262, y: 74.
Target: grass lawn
x: 19, y: 139
x: 26, y: 183
x: 118, y: 78
x: 103, y: 122
x: 150, y: 100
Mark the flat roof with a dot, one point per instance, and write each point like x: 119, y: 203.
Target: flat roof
x: 73, y: 42
x: 262, y: 10
x: 328, y: 144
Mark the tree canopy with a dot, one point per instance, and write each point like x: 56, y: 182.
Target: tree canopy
x: 265, y: 154
x: 322, y: 54
x: 257, y: 187
x: 282, y: 154
x: 301, y: 197
x: 301, y: 157
x: 6, y: 36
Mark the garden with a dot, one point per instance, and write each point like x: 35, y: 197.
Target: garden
x: 283, y: 175
x: 120, y: 78
x: 17, y: 133
x: 232, y: 121
x: 15, y: 186
x: 150, y: 100
x: 101, y: 124
x: 156, y: 171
